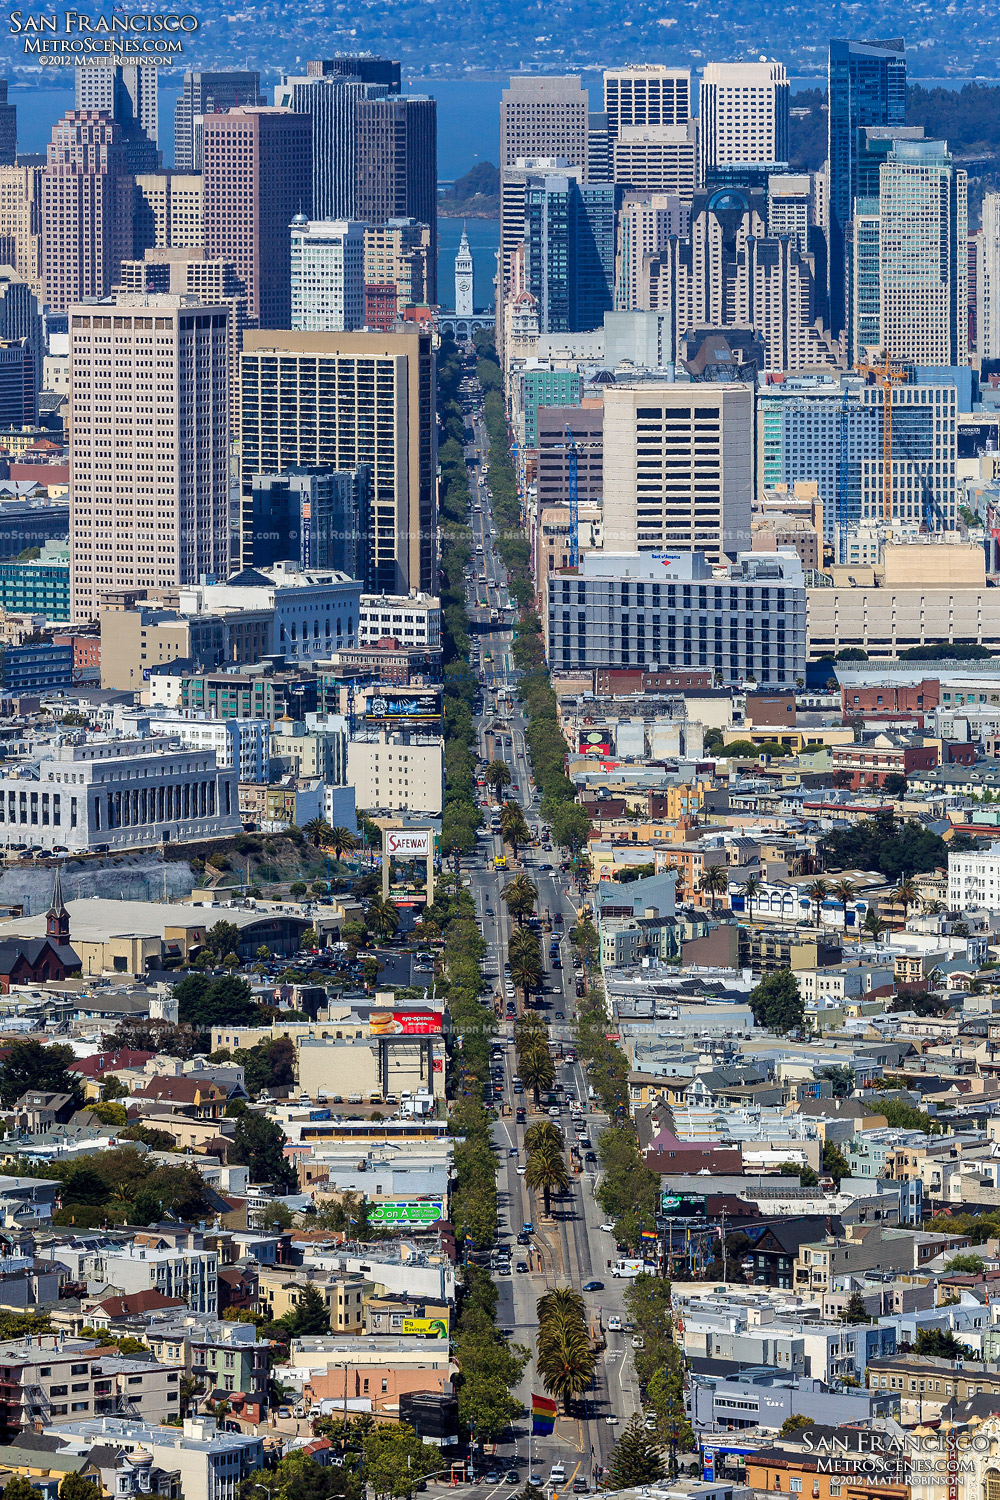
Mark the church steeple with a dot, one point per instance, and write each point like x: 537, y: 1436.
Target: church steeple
x: 57, y: 917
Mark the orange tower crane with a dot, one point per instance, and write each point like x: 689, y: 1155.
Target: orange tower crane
x: 887, y: 377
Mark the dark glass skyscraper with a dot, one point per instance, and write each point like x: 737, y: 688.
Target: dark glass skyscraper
x: 569, y: 238
x: 866, y: 86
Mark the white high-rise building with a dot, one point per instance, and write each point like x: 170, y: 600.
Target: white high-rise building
x: 149, y: 485
x: 678, y: 467
x: 923, y: 254
x: 328, y: 275
x: 988, y: 279
x: 646, y: 94
x: 128, y: 92
x: 742, y: 114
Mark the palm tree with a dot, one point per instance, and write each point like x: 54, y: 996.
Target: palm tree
x: 543, y: 1135
x: 538, y: 1071
x: 934, y: 908
x: 382, y: 917
x: 565, y: 1360
x: 513, y: 828
x: 546, y: 1172
x: 873, y: 923
x: 524, y: 944
x: 520, y: 895
x: 343, y: 841
x: 498, y: 776
x: 563, y: 1302
x: 714, y: 880
x: 905, y: 893
x: 524, y: 1026
x: 817, y: 893
x: 844, y: 892
x: 749, y: 890
x: 526, y: 972
x: 317, y: 831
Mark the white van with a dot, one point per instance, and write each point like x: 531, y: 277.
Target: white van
x: 628, y: 1268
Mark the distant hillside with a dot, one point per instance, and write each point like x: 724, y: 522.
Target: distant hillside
x: 475, y: 195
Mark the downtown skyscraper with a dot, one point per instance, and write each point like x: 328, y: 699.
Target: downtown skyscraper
x: 150, y: 456
x: 257, y: 177
x: 866, y: 85
x: 86, y: 215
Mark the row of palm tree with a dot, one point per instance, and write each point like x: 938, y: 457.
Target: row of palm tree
x: 519, y: 896
x: 341, y: 840
x: 564, y: 1354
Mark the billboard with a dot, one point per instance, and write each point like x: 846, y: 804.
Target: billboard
x: 424, y: 1212
x: 425, y: 1328
x: 407, y: 843
x: 683, y: 1205
x: 405, y: 1022
x: 597, y: 742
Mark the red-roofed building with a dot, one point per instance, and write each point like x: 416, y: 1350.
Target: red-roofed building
x: 101, y: 1063
x: 111, y: 1309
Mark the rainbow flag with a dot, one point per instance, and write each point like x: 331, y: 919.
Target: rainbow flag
x: 543, y: 1416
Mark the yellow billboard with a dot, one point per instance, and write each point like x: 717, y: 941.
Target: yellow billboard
x: 425, y: 1328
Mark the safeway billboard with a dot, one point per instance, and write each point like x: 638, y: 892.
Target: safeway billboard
x: 408, y: 843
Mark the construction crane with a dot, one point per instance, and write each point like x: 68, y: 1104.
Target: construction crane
x: 572, y: 461
x: 887, y: 378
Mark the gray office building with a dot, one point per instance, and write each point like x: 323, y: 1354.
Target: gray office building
x: 8, y: 128
x: 316, y: 517
x: 332, y: 106
x: 207, y: 94
x: 664, y: 610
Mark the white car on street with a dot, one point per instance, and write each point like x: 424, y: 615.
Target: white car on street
x: 607, y: 1229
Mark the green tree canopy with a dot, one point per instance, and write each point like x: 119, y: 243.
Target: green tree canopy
x: 636, y: 1460
x: 776, y: 1003
x: 31, y: 1064
x: 258, y: 1143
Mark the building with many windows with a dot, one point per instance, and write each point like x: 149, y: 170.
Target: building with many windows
x: 866, y: 85
x: 742, y: 114
x: 413, y: 621
x: 39, y: 585
x: 207, y: 94
x: 257, y: 176
x: 974, y: 879
x: 923, y: 254
x: 119, y: 793
x: 319, y: 414
x: 328, y: 274
x: 829, y: 430
x: 86, y: 218
x: 642, y: 94
x: 678, y: 467
x: 150, y: 459
x: 569, y: 250
x: 622, y: 610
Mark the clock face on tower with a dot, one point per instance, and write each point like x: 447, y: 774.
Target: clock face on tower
x: 463, y: 285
